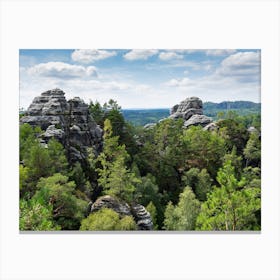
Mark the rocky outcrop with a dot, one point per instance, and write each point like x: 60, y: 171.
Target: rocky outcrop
x: 110, y: 202
x: 191, y: 111
x: 142, y: 217
x: 190, y: 106
x: 68, y: 121
x: 138, y: 212
x: 197, y: 120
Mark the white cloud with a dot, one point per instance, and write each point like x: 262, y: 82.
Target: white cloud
x: 169, y: 56
x: 140, y: 54
x: 89, y: 56
x: 242, y: 65
x: 219, y: 52
x: 211, y: 52
x: 181, y: 82
x: 62, y: 70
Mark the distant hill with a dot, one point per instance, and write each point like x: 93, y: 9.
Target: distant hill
x: 211, y: 109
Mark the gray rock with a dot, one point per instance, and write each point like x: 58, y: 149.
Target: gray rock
x: 191, y: 111
x: 110, y: 202
x: 211, y: 127
x: 190, y: 106
x: 141, y: 216
x: 52, y: 131
x: 67, y: 121
x: 197, y: 120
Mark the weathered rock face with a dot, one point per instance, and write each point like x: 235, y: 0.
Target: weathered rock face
x: 140, y: 214
x: 197, y: 120
x: 67, y: 121
x: 190, y: 106
x: 191, y: 111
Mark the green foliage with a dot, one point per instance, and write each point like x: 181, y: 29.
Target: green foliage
x: 38, y: 160
x: 120, y: 128
x: 23, y: 177
x: 234, y: 133
x: 161, y: 156
x: 153, y: 212
x: 200, y: 182
x: 183, y: 216
x: 230, y: 207
x: 252, y: 151
x: 121, y: 181
x: 107, y: 219
x: 68, y: 210
x: 126, y: 223
x: 57, y: 156
x: 27, y: 139
x: 204, y: 149
x: 236, y: 161
x: 35, y: 216
x: 115, y: 178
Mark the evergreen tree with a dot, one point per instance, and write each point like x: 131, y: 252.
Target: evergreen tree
x: 231, y: 206
x: 183, y: 216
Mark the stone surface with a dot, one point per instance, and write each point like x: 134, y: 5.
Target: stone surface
x: 197, y: 120
x: 188, y: 107
x: 142, y: 217
x: 110, y: 202
x: 211, y: 127
x: 68, y: 121
x: 138, y: 212
x: 191, y: 111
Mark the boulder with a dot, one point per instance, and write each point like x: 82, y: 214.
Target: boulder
x: 110, y: 202
x: 141, y: 216
x: 197, y: 120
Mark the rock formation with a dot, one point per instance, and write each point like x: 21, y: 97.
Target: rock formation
x: 138, y: 212
x: 191, y: 111
x: 68, y: 121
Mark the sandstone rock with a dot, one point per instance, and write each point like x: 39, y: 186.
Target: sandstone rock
x: 142, y: 217
x: 197, y: 120
x: 110, y: 202
x: 190, y: 106
x: 211, y: 127
x: 191, y: 111
x: 67, y: 121
x: 138, y: 212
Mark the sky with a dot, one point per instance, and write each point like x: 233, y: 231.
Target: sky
x: 141, y: 78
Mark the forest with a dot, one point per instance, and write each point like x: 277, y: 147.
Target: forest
x: 185, y: 179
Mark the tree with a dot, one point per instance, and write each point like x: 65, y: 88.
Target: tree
x: 235, y: 160
x: 35, y: 216
x: 27, y: 138
x: 107, y: 219
x: 57, y: 155
x: 153, y: 212
x: 183, y: 216
x: 203, y: 149
x: 252, y: 151
x: 230, y: 206
x: 234, y: 133
x: 115, y: 178
x: 68, y: 210
x: 200, y: 182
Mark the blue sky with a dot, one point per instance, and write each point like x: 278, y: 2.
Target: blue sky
x: 146, y: 78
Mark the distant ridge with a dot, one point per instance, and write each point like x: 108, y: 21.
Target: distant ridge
x: 143, y: 116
